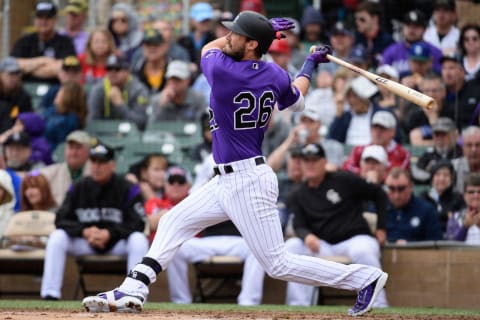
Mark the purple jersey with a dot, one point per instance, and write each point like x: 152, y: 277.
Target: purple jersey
x: 244, y: 94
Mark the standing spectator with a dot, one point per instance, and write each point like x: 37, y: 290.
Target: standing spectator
x: 39, y: 53
x: 469, y: 45
x: 464, y: 225
x: 397, y: 54
x: 93, y: 61
x: 383, y: 126
x: 119, y: 96
x: 370, y: 33
x: 7, y: 200
x: 441, y: 194
x: 123, y: 25
x: 68, y: 113
x: 75, y: 16
x: 92, y: 220
x: 443, y: 33
x: 444, y: 146
x: 409, y: 218
x: 13, y: 98
x: 177, y: 100
x: 62, y: 175
x: 36, y: 193
x: 201, y: 15
x: 352, y: 126
x: 321, y: 206
x: 470, y: 162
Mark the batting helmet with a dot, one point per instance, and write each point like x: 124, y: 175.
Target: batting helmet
x: 254, y: 26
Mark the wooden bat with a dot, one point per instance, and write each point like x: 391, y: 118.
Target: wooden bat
x: 401, y: 90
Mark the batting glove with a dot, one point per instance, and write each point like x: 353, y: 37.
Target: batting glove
x: 281, y: 24
x: 320, y: 54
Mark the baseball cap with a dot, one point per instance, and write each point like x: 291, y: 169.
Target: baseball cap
x: 45, y: 8
x: 178, y: 69
x: 339, y: 29
x: 362, y: 87
x: 443, y: 124
x: 311, y: 112
x: 415, y: 17
x: 102, y: 152
x: 385, y: 119
x: 311, y: 16
x: 295, y: 151
x: 116, y: 62
x: 358, y: 54
x: 10, y: 65
x: 388, y: 70
x: 419, y: 51
x: 201, y: 11
x: 444, y: 4
x: 313, y: 150
x: 79, y: 136
x: 375, y: 152
x: 152, y: 36
x: 71, y: 63
x: 453, y: 56
x: 76, y: 6
x: 178, y: 174
x: 20, y: 138
x: 280, y: 46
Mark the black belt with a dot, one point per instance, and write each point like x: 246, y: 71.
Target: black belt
x: 229, y: 169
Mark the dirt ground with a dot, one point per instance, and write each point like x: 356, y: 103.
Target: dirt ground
x: 170, y: 315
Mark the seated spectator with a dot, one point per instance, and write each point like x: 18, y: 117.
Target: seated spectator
x: 92, y: 220
x: 123, y: 25
x: 75, y: 166
x: 152, y: 176
x: 13, y: 98
x: 464, y: 225
x: 387, y: 99
x: 469, y: 45
x: 177, y: 100
x: 374, y: 164
x: 280, y: 53
x: 383, y: 126
x: 321, y: 206
x: 119, y: 96
x: 444, y: 147
x: 312, y: 28
x: 68, y: 113
x: 470, y: 161
x: 75, y: 16
x: 33, y: 124
x: 7, y: 200
x: 36, y: 193
x: 39, y: 53
x: 69, y: 72
x: 409, y: 218
x: 352, y: 126
x: 443, y: 32
x: 151, y: 67
x: 341, y: 39
x: 15, y: 179
x: 18, y: 153
x: 420, y: 60
x: 93, y: 61
x: 441, y: 193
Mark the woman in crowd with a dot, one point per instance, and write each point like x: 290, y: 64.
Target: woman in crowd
x: 469, y: 44
x: 100, y: 45
x: 35, y: 193
x: 68, y: 113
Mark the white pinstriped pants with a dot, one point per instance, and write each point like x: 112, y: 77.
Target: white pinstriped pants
x: 248, y: 197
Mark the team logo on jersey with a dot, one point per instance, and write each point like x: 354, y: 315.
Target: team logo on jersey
x: 255, y: 66
x: 415, y: 222
x: 333, y: 196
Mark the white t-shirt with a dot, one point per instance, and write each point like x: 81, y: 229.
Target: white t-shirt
x: 358, y: 133
x: 448, y: 44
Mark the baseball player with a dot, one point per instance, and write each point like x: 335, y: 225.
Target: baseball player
x: 245, y: 90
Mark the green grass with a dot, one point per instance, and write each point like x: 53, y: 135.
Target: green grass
x: 75, y: 305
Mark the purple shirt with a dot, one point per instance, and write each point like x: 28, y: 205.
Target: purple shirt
x: 79, y: 41
x: 244, y: 94
x: 397, y: 55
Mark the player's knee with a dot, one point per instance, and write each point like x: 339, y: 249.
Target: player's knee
x: 278, y: 268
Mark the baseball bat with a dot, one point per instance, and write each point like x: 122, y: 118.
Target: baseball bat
x: 401, y: 90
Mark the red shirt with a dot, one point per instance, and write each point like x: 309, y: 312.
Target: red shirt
x: 91, y: 72
x: 153, y: 206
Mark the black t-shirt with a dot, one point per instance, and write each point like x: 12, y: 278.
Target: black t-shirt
x: 11, y: 106
x: 30, y: 46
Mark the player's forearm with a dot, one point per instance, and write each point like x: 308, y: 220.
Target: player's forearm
x: 215, y: 44
x: 303, y: 84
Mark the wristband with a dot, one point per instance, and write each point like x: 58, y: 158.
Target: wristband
x: 307, y: 69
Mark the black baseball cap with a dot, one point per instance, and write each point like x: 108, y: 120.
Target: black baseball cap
x: 45, y: 8
x: 313, y: 150
x: 444, y: 4
x: 102, y: 152
x: 339, y: 29
x: 415, y: 17
x: 71, y: 63
x: 152, y: 36
x: 19, y: 138
x: 117, y: 62
x: 455, y: 57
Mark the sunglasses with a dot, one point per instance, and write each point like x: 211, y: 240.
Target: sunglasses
x: 113, y: 69
x: 400, y: 188
x: 177, y: 179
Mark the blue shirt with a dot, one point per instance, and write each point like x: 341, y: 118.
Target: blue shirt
x: 242, y: 99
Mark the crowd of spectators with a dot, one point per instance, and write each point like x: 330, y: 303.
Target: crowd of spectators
x: 142, y: 72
